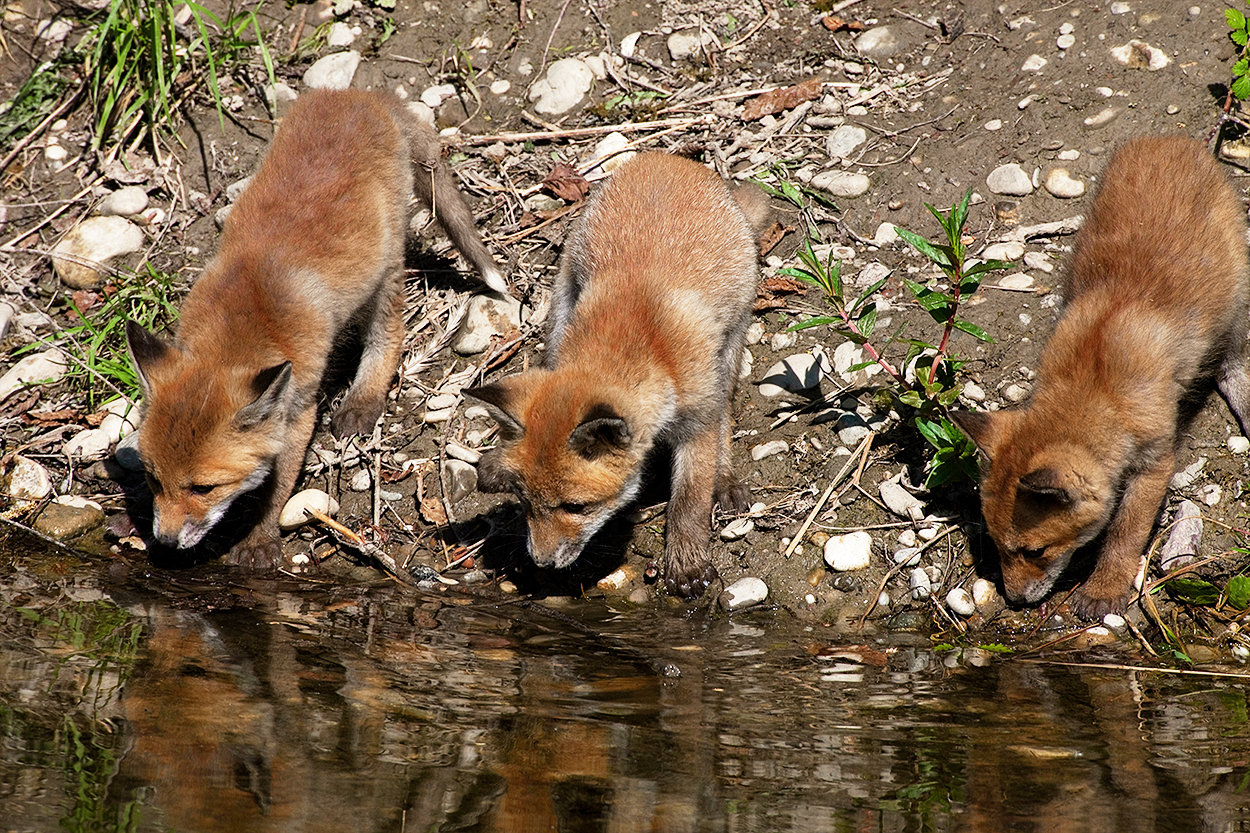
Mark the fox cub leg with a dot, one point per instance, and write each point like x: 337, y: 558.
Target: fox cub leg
x: 383, y: 341
x: 687, y: 569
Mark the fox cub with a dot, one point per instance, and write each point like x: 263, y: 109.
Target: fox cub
x: 649, y: 312
x: 314, y: 246
x: 1156, y: 306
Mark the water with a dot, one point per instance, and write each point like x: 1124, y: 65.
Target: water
x: 153, y: 701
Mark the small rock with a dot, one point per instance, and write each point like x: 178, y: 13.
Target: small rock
x: 852, y: 551
x: 842, y: 183
x: 1003, y: 251
x: 1120, y: 8
x: 843, y: 141
x: 487, y: 316
x: 88, y: 444
x: 123, y: 202
x: 1187, y: 476
x: 683, y: 45
x: 743, y: 593
x: 994, y: 124
x: 878, y: 42
x: 973, y: 392
x: 1016, y: 280
x: 437, y: 416
x: 1033, y: 63
x: 1102, y: 118
x: 333, y: 72
x: 1009, y: 179
x: 69, y: 516
x: 755, y: 333
x: 1115, y: 621
x: 1212, y: 494
x: 871, y: 273
x: 612, y: 150
x: 1015, y: 393
x: 784, y: 340
x: 769, y: 449
x: 746, y: 365
x: 960, y: 602
x: 900, y: 501
x: 919, y: 583
x: 121, y: 416
x: 441, y: 401
x: 735, y: 530
x: 433, y: 97
x: 885, y: 235
x: 27, y: 480
x: 1061, y: 184
x: 983, y: 592
x: 94, y: 240
x: 566, y: 83
x: 362, y: 481
x: 277, y: 94
x: 7, y: 311
x: 340, y: 34
x: 1238, y: 444
x: 618, y: 579
x: 461, y: 478
x: 852, y: 428
x: 848, y: 354
x: 46, y: 367
x: 293, y: 517
x: 1039, y: 261
x: 1140, y: 55
x: 907, y: 556
x: 127, y: 453
x: 235, y: 189
x: 799, y: 372
x: 1185, y: 538
x: 500, y: 86
x: 1065, y: 41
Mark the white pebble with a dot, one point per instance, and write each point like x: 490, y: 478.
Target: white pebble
x: 1016, y: 280
x: 1010, y: 180
x: 1238, y: 444
x: 1015, y: 393
x: 1211, y: 494
x: 1068, y: 155
x: 908, y: 556
x: 1003, y: 251
x: 737, y: 529
x: 769, y: 449
x: 1061, y: 184
x: 1065, y: 41
x: 293, y: 516
x: 1039, y: 261
x: 994, y: 124
x: 1102, y: 118
x: 361, y: 481
x: 852, y: 551
x: 1033, y: 63
x: 919, y: 584
x: 983, y: 592
x: 743, y: 593
x: 960, y: 601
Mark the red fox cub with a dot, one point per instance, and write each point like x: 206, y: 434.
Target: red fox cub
x: 648, y: 317
x: 1156, y: 305
x: 313, y: 246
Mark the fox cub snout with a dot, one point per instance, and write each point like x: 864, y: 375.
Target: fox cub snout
x: 315, y: 244
x: 648, y: 317
x: 1156, y: 305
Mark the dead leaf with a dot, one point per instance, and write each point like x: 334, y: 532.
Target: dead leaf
x: 764, y: 304
x: 772, y: 235
x: 433, y: 512
x: 564, y: 182
x: 836, y: 24
x: 45, y: 419
x: 780, y: 285
x: 775, y: 101
x: 19, y: 402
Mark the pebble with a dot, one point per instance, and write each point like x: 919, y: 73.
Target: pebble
x: 441, y: 402
x: 487, y: 316
x: 69, y: 516
x: 900, y: 501
x: 55, y: 153
x: 48, y: 366
x: 7, y: 311
x: 121, y: 416
x: 279, y: 93
x: 994, y: 124
x: 737, y: 529
x: 1120, y: 8
x: 983, y: 592
x: 1039, y: 261
x: 1185, y: 538
x: 960, y: 602
x: 1061, y: 184
x: 744, y: 592
x: 1065, y: 41
x: 1016, y: 393
x: 842, y: 183
x: 97, y: 239
x: 27, y: 480
x: 618, y: 579
x: 1238, y: 444
x: 885, y: 235
x: 769, y: 449
x: 907, y: 556
x: 783, y: 340
x: 1010, y: 180
x: 852, y: 428
x: 433, y: 97
x: 461, y: 479
x: 684, y: 45
x: 973, y: 392
x: 435, y: 417
x: 88, y: 444
x: 1018, y: 280
x: 755, y: 333
x: 1003, y: 251
x: 919, y: 583
x: 852, y: 551
x: 340, y: 34
x: 333, y: 72
x: 1212, y: 494
x: 292, y: 515
x: 1068, y: 155
x: 460, y: 452
x: 612, y: 150
x: 1033, y: 63
x: 1187, y: 476
x: 878, y: 42
x: 843, y: 141
x: 799, y: 372
x: 127, y: 453
x: 848, y: 354
x: 362, y: 481
x: 1101, y: 118
x: 500, y: 86
x: 567, y: 81
x: 746, y: 365
x: 123, y: 202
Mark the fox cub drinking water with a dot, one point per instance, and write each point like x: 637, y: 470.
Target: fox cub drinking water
x: 1156, y: 305
x: 314, y: 245
x: 647, y: 323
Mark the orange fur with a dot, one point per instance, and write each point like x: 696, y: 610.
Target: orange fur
x: 1156, y: 293
x: 312, y: 246
x: 647, y: 323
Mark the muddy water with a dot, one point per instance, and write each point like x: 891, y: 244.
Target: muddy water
x: 134, y: 699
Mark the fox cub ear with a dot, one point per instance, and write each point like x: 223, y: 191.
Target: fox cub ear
x: 983, y: 428
x: 498, y: 399
x: 146, y: 350
x: 271, y: 386
x: 601, y: 432
x: 1047, y: 483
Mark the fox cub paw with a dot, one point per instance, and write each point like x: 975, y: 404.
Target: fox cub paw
x: 355, y: 417
x: 689, y: 581
x: 256, y: 553
x: 731, y: 494
x: 1093, y: 608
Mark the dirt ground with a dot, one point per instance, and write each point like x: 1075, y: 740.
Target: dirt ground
x: 957, y: 96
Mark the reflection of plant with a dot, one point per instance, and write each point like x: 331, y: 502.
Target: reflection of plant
x: 925, y: 378
x: 91, y: 761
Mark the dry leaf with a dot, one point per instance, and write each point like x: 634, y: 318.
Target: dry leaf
x: 775, y: 101
x: 772, y: 235
x: 433, y: 512
x: 781, y: 285
x: 836, y: 24
x: 564, y: 182
x: 48, y: 418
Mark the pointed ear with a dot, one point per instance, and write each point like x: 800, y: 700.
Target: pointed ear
x: 499, y: 399
x: 982, y: 427
x: 601, y: 432
x: 146, y: 350
x: 1047, y: 483
x: 272, y: 386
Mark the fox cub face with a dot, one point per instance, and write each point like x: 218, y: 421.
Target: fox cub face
x: 204, y: 441
x: 1041, y: 504
x: 572, y: 462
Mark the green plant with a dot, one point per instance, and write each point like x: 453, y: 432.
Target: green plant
x: 1239, y: 32
x: 931, y: 386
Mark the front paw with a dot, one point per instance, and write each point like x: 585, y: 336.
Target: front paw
x: 257, y: 552
x: 1092, y: 608
x: 688, y: 572
x: 355, y: 417
x: 731, y: 494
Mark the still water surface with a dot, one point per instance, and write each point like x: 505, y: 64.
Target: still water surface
x: 147, y: 701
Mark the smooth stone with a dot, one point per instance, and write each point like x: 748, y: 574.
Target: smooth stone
x: 435, y: 417
x: 235, y: 189
x: 1101, y: 118
x: 292, y: 515
x: 95, y: 239
x: 566, y: 83
x: 878, y: 42
x: 784, y: 340
x: 1185, y: 539
x: 848, y: 354
x: 612, y: 149
x: 340, y: 34
x: 1003, y: 251
x: 983, y: 592
x: 744, y: 592
x: 918, y: 581
x: 127, y: 453
x: 441, y: 401
x: 1015, y: 393
x: 27, y: 480
x: 1068, y: 155
x: 736, y: 530
x: 844, y: 140
x: 900, y: 501
x: 433, y: 97
x: 746, y: 365
x: 1009, y: 180
x: 279, y: 93
x: 1039, y: 261
x: 362, y: 481
x: 123, y: 202
x: 45, y: 367
x: 683, y: 45
x: 907, y: 556
x: 1016, y: 280
x: 885, y: 235
x: 1212, y: 494
x: 487, y: 316
x: 871, y: 273
x: 87, y: 444
x: 500, y: 86
x: 69, y: 516
x: 852, y: 551
x: 993, y: 124
x: 1033, y: 63
x: 1061, y: 184
x: 333, y: 72
x: 960, y: 602
x: 799, y: 372
x: 852, y: 428
x: 1138, y: 54
x: 7, y: 312
x: 1238, y: 444
x: 460, y: 452
x: 974, y: 392
x: 1120, y: 8
x: 121, y: 416
x: 1187, y: 476
x: 1065, y: 41
x: 461, y: 479
x: 769, y: 449
x: 842, y: 183
x: 755, y: 333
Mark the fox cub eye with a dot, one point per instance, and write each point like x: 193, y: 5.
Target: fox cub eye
x: 1033, y: 554
x: 200, y: 488
x: 574, y: 508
